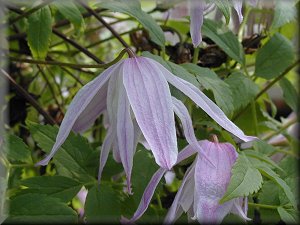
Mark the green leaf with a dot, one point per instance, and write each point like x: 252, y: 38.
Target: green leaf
x: 290, y: 165
x: 264, y: 196
x: 290, y: 94
x: 263, y: 147
x: 289, y: 216
x: 225, y: 39
x: 39, y: 32
x: 269, y: 216
x: 75, y: 155
x: 210, y: 81
x: 274, y: 57
x: 285, y: 12
x: 102, y: 205
x: 224, y: 6
x: 292, y: 182
x: 70, y: 11
x: 133, y: 8
x: 143, y: 169
x: 243, y: 90
x: 267, y: 172
x: 38, y: 208
x: 245, y: 179
x: 60, y: 187
x: 262, y: 157
x: 246, y: 124
x: 16, y: 150
x: 173, y: 68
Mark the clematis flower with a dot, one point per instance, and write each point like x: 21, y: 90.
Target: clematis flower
x: 208, y: 185
x: 202, y: 187
x: 135, y: 96
x: 197, y: 9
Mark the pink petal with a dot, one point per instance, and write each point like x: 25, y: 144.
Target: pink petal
x: 139, y: 137
x: 79, y: 104
x: 149, y: 191
x: 183, y: 199
x: 91, y: 112
x: 211, y: 183
x: 114, y: 86
x: 196, y: 9
x: 125, y: 134
x: 146, y: 198
x: 205, y: 103
x: 240, y: 207
x: 252, y: 2
x: 151, y: 102
x: 105, y: 119
x: 116, y: 150
x: 186, y: 121
x: 106, y: 146
x: 237, y: 5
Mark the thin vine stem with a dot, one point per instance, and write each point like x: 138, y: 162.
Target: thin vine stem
x: 265, y: 89
x: 70, y: 41
x: 42, y: 62
x: 244, y: 22
x: 27, y: 13
x: 196, y: 55
x: 28, y: 97
x: 263, y: 205
x: 50, y: 88
x: 78, y: 46
x: 253, y: 107
x: 284, y: 127
x: 101, y: 20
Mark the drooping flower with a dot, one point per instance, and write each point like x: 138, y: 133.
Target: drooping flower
x: 136, y: 96
x: 208, y: 185
x: 202, y: 187
x: 197, y: 9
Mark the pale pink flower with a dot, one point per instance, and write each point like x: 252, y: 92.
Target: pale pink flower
x: 136, y: 96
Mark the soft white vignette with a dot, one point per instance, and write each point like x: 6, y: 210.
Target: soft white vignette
x: 3, y: 117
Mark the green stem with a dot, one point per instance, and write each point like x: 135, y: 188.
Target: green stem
x: 159, y: 201
x: 286, y: 152
x: 268, y: 87
x: 254, y: 117
x: 163, y: 54
x: 110, y: 28
x: 20, y: 165
x: 106, y: 65
x: 243, y: 24
x: 263, y: 205
x: 28, y: 97
x: 29, y: 12
x: 4, y: 161
x: 277, y: 79
x: 253, y: 108
x: 76, y: 45
x: 284, y: 127
x: 196, y: 55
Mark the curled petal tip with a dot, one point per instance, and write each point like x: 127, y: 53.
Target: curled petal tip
x: 43, y: 162
x: 248, y: 139
x: 196, y: 9
x: 124, y: 220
